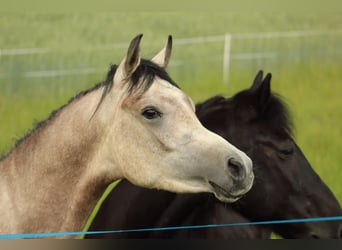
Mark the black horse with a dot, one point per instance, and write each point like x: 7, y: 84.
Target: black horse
x: 286, y: 187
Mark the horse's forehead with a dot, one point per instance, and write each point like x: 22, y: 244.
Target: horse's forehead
x: 162, y: 85
x: 166, y: 90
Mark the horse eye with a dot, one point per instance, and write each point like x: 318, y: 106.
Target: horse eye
x: 287, y: 151
x: 151, y: 113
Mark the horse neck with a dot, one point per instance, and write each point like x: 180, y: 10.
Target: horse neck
x: 52, y: 180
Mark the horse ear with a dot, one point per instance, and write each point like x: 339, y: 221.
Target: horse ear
x: 163, y: 57
x: 131, y: 61
x: 264, y: 91
x: 257, y: 80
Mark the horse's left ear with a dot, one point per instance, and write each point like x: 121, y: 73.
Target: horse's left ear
x: 131, y: 61
x: 264, y: 91
x: 163, y: 57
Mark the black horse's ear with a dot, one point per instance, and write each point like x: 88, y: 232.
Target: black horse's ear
x: 257, y: 81
x: 264, y: 92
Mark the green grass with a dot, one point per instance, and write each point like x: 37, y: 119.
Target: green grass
x: 306, y: 70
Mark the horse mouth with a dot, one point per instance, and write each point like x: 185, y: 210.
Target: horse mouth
x: 224, y: 195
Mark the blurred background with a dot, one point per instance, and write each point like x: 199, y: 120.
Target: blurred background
x: 45, y: 59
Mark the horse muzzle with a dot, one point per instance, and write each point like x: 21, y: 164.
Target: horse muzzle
x: 241, y: 178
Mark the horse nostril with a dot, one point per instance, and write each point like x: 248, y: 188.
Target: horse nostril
x: 236, y: 169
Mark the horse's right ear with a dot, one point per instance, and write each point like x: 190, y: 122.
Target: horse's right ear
x: 261, y: 89
x: 131, y: 61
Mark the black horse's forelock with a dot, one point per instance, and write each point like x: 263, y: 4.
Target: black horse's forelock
x: 278, y: 114
x: 272, y: 111
x: 275, y: 112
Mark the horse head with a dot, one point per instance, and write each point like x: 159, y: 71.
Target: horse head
x: 286, y: 186
x: 152, y: 123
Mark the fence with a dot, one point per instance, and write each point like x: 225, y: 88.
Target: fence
x: 226, y: 41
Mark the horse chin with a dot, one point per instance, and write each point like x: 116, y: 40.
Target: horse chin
x: 226, y: 199
x: 222, y: 194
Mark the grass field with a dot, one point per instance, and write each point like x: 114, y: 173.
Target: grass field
x: 306, y: 70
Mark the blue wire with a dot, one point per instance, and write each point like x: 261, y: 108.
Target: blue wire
x: 56, y: 234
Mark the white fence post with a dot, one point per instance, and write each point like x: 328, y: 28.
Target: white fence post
x: 226, y: 57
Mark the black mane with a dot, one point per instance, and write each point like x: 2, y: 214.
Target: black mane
x: 214, y: 103
x: 275, y: 112
x: 144, y: 75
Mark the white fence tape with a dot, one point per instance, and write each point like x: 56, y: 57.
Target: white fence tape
x: 227, y: 57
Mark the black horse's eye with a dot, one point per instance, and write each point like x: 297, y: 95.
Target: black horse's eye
x: 287, y: 151
x: 151, y: 113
